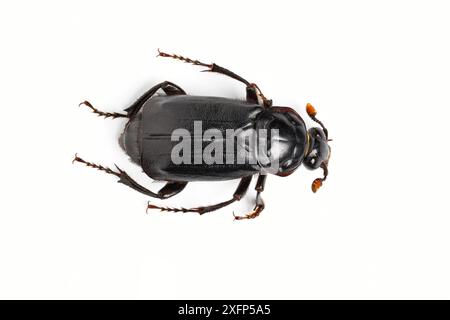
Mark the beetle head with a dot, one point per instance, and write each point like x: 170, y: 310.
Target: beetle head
x: 319, y: 151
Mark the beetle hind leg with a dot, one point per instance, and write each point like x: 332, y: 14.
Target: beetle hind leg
x: 169, y: 190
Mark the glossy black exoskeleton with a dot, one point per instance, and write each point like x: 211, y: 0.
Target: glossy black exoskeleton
x: 262, y: 135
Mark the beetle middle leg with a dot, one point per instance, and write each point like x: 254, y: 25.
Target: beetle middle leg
x: 253, y: 91
x: 169, y: 190
x: 238, y: 194
x: 169, y: 89
x: 101, y: 113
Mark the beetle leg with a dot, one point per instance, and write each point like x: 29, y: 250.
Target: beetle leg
x: 252, y: 95
x: 261, y: 182
x: 238, y: 194
x: 168, y: 87
x: 253, y: 91
x: 212, y: 67
x: 101, y: 113
x: 169, y: 190
x: 259, y: 207
x: 260, y: 96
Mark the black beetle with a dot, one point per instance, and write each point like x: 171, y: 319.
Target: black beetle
x: 153, y: 119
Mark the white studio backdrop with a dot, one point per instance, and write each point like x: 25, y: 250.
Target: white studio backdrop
x: 378, y: 72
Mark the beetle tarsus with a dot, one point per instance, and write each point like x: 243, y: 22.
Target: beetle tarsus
x: 185, y: 59
x: 96, y: 166
x: 169, y: 209
x: 252, y: 215
x: 259, y: 207
x: 101, y: 113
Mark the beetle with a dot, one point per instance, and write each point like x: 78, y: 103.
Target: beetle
x: 148, y: 139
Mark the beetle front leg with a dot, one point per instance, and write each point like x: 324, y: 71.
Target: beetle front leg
x: 169, y: 190
x: 253, y: 91
x: 259, y: 207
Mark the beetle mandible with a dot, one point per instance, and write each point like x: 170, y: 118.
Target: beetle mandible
x: 152, y: 119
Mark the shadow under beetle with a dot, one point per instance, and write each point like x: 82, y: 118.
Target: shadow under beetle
x: 153, y: 118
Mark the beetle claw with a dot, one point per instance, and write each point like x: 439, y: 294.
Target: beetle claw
x: 161, y: 54
x: 85, y: 103
x: 239, y: 217
x: 75, y: 158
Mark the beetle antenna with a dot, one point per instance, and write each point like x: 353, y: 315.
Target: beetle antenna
x: 317, y: 183
x: 312, y: 114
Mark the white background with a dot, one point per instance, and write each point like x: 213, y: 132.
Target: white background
x: 378, y: 72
